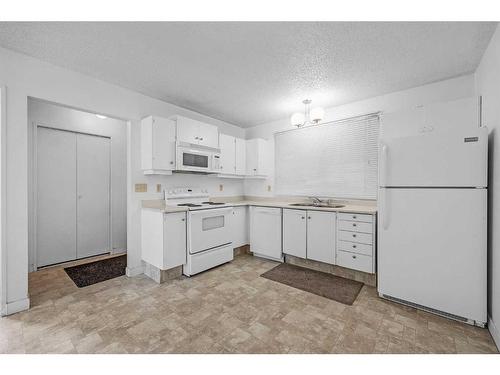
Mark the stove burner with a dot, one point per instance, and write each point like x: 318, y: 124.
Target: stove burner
x: 213, y: 203
x: 189, y: 205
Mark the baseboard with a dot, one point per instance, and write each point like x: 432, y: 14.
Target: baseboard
x: 134, y: 271
x: 495, y: 333
x: 118, y: 251
x: 16, y: 306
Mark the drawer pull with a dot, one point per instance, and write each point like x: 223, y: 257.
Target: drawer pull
x: 353, y: 246
x: 354, y: 257
x: 354, y: 235
x: 309, y: 217
x: 354, y: 224
x: 354, y: 216
x: 303, y: 217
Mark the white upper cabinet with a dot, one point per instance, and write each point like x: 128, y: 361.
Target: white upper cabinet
x: 227, y: 154
x: 294, y: 232
x: 241, y: 157
x: 256, y: 155
x: 157, y: 145
x: 196, y: 132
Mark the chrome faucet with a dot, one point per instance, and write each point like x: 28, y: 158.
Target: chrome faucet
x: 316, y: 200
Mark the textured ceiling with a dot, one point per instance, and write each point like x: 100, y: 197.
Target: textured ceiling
x: 251, y: 73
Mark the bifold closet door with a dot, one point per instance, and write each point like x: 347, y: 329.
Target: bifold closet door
x: 93, y: 195
x: 56, y: 196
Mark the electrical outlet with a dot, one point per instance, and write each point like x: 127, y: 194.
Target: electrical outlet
x: 268, y: 187
x: 221, y: 187
x: 158, y: 188
x: 141, y: 188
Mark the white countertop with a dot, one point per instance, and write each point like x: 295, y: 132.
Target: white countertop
x: 159, y: 204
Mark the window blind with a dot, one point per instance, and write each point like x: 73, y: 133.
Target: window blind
x: 336, y: 159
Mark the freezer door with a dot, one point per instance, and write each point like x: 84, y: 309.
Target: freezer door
x: 432, y: 249
x: 435, y: 159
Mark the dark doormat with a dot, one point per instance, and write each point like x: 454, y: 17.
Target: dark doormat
x: 95, y: 272
x: 316, y: 282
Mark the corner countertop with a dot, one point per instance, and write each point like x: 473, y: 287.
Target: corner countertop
x: 355, y: 206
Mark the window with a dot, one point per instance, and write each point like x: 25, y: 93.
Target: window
x: 336, y: 159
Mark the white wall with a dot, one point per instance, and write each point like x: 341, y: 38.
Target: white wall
x: 488, y: 86
x: 28, y: 77
x: 56, y: 116
x: 450, y: 89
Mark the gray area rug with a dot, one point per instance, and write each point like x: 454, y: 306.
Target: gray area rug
x: 322, y: 284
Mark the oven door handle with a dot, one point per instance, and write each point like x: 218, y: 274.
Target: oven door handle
x: 211, y: 211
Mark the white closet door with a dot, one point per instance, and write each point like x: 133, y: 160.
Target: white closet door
x: 93, y: 191
x: 56, y: 196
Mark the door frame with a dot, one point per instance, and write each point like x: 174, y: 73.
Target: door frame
x: 34, y: 187
x: 3, y: 202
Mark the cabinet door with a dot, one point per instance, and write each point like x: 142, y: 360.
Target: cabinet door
x: 265, y: 231
x: 187, y: 130
x: 321, y: 236
x: 294, y: 232
x: 252, y: 157
x: 227, y: 154
x: 239, y: 226
x: 174, y: 239
x: 208, y: 135
x: 240, y: 158
x: 163, y: 143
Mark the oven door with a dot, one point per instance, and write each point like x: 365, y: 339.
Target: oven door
x: 194, y: 160
x: 208, y: 229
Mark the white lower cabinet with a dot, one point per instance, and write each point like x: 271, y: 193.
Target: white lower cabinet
x: 356, y: 241
x: 239, y: 226
x: 265, y: 232
x: 163, y: 238
x: 309, y: 234
x: 321, y: 236
x: 294, y: 232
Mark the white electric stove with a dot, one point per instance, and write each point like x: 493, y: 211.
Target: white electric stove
x: 209, y: 241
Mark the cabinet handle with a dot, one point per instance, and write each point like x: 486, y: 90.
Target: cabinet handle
x: 201, y: 139
x: 183, y: 219
x: 171, y: 162
x: 353, y: 246
x: 354, y: 257
x: 303, y: 217
x: 354, y: 216
x: 354, y: 224
x: 354, y: 235
x: 309, y: 217
x: 196, y: 137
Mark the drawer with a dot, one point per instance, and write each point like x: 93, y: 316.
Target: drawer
x: 359, y: 248
x: 358, y: 262
x: 356, y: 237
x: 356, y: 226
x: 365, y: 218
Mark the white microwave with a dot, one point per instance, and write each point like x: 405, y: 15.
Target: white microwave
x: 197, y: 159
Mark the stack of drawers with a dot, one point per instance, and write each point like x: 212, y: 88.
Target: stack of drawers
x: 356, y: 241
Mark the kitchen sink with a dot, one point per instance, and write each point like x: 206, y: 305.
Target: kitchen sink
x: 326, y: 205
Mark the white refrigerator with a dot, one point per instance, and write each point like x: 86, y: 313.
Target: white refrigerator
x: 432, y: 207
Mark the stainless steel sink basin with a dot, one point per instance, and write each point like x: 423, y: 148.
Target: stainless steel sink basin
x: 326, y: 205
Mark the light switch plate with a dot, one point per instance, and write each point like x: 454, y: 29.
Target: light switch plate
x: 141, y: 188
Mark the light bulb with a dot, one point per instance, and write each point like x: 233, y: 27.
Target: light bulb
x: 297, y: 119
x: 102, y: 117
x: 317, y: 114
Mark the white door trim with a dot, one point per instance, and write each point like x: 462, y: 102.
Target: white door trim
x: 34, y: 187
x: 3, y: 201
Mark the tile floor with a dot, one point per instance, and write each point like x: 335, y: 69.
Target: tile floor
x: 229, y: 309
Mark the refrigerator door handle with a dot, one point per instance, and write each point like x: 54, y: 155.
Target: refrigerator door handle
x: 384, y: 209
x: 383, y: 164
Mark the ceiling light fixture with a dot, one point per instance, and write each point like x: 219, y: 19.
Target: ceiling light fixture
x: 102, y: 117
x: 309, y: 117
